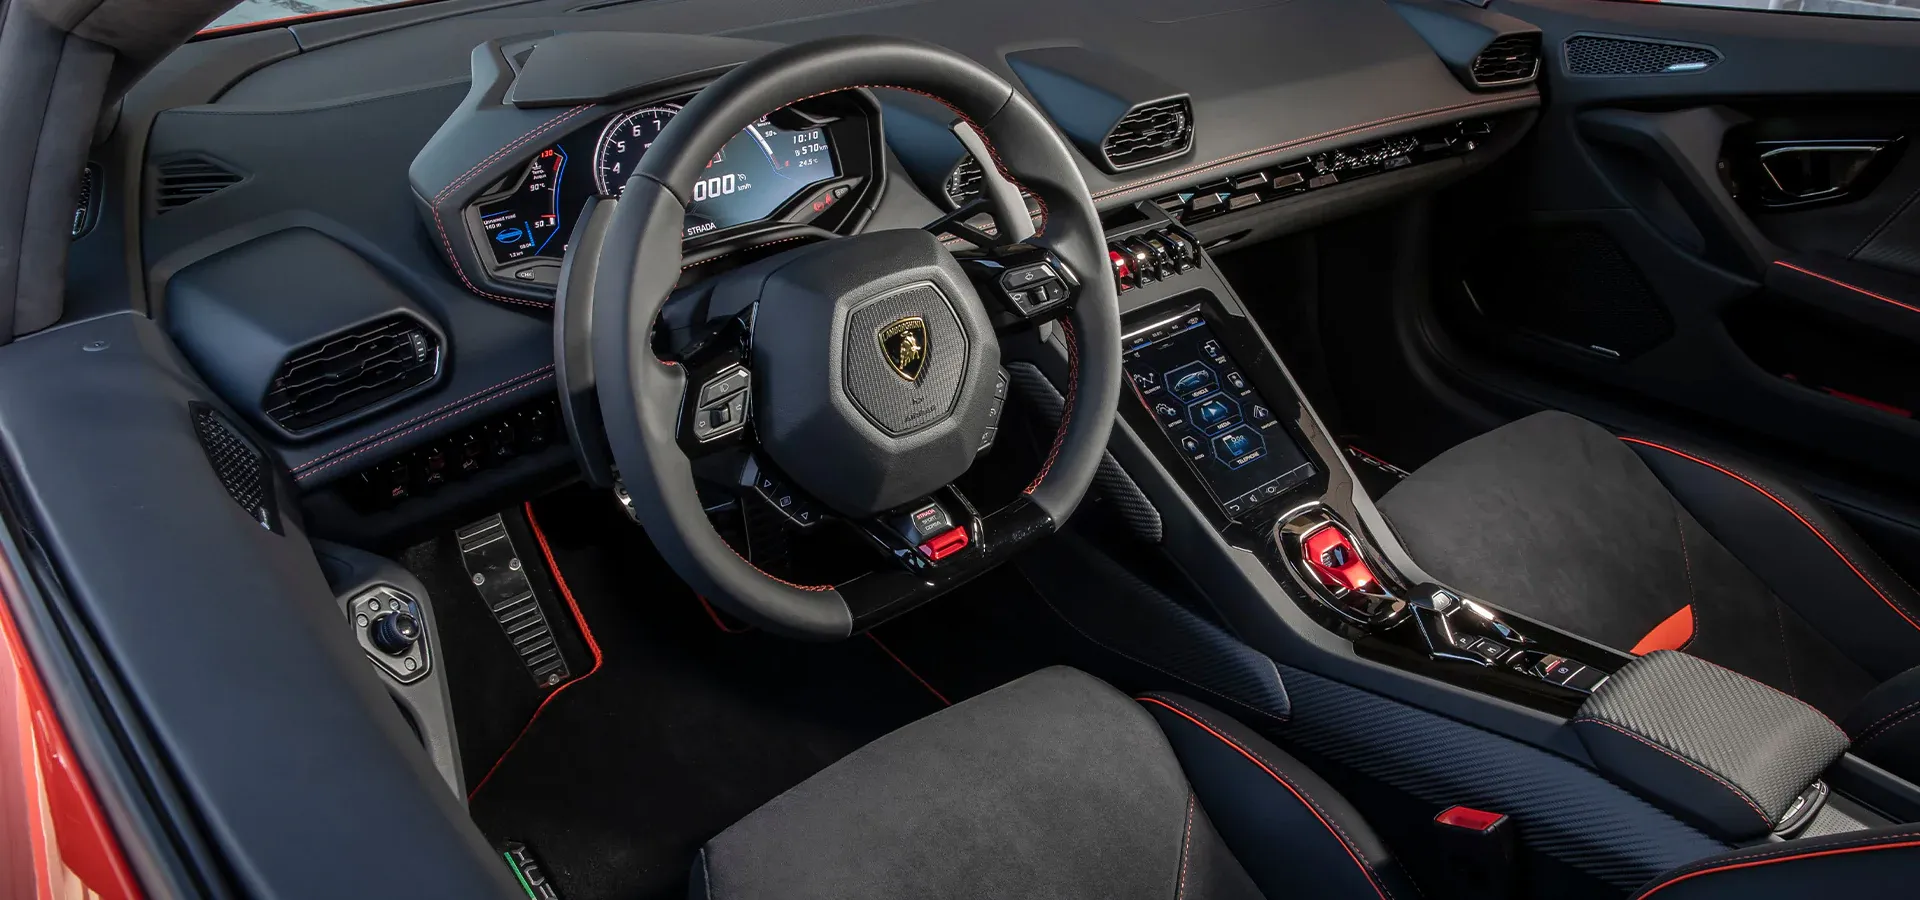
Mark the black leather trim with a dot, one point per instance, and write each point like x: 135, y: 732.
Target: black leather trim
x: 1885, y: 725
x: 1284, y: 823
x: 1801, y: 550
x: 1856, y: 866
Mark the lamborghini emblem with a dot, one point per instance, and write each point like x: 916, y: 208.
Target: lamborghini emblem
x: 904, y: 344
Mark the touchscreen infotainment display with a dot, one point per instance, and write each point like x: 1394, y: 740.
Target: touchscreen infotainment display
x: 1210, y: 410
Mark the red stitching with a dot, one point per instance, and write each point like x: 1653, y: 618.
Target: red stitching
x: 434, y: 205
x: 1326, y: 819
x: 1186, y: 848
x: 1867, y: 734
x: 477, y: 403
x: 1764, y: 818
x: 1284, y: 145
x: 1779, y: 856
x: 1066, y: 411
x: 1790, y: 508
x: 1858, y: 290
x: 339, y: 450
x: 821, y: 588
x: 1890, y: 726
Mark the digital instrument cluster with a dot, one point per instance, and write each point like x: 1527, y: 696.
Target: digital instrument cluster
x: 766, y: 166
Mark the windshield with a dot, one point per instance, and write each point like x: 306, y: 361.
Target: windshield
x: 255, y: 12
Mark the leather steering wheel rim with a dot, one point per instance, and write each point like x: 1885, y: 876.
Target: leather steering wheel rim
x: 637, y: 265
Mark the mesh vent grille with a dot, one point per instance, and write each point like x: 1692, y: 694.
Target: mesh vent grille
x: 1150, y: 133
x: 179, y: 182
x: 1512, y: 59
x: 963, y: 183
x: 1595, y: 55
x: 352, y: 371
x: 238, y: 464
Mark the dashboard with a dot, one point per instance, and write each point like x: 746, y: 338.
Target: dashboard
x: 425, y: 167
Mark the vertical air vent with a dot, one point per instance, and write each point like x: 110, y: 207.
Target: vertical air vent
x: 1149, y: 133
x: 86, y: 207
x: 178, y: 182
x: 1510, y: 59
x: 329, y: 379
x: 1606, y: 55
x: 241, y: 467
x: 963, y: 183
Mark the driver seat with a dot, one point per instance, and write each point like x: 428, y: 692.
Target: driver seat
x: 1057, y: 786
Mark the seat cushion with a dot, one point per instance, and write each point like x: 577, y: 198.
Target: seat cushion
x: 1554, y: 518
x: 1057, y: 786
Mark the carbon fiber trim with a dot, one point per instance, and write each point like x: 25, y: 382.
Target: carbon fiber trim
x: 1562, y: 809
x: 1759, y: 743
x: 1112, y: 483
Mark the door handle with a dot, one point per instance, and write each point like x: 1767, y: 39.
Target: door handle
x: 1794, y: 173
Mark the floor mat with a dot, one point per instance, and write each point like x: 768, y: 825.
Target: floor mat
x: 681, y: 730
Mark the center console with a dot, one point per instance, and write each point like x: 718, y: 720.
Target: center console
x: 1221, y: 415
x: 1265, y: 516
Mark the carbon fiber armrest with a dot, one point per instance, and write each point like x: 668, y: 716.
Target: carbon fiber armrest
x: 1714, y: 747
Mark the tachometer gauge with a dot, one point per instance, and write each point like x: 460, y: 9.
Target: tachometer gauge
x: 622, y: 142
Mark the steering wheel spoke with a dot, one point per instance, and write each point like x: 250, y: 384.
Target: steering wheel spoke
x: 1023, y: 285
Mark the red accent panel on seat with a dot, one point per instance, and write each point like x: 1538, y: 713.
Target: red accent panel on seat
x: 1671, y: 634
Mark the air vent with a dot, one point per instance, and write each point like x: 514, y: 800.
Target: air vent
x: 241, y: 467
x: 179, y: 182
x: 1150, y: 133
x: 86, y: 207
x: 963, y: 183
x: 1594, y: 55
x: 1511, y: 59
x: 349, y: 372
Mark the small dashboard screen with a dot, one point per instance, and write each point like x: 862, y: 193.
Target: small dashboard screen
x: 758, y: 171
x: 1212, y: 413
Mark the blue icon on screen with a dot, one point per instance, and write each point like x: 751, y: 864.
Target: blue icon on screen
x: 1212, y: 411
x: 508, y: 235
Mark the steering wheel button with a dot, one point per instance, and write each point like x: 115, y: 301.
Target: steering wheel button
x: 726, y: 385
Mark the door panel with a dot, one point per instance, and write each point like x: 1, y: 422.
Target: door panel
x: 1733, y: 244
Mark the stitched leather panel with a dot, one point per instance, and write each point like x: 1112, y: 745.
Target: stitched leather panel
x: 1697, y: 734
x: 1859, y: 866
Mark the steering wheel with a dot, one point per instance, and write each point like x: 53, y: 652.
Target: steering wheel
x: 872, y: 366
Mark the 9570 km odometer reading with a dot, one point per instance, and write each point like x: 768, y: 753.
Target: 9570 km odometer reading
x: 761, y: 168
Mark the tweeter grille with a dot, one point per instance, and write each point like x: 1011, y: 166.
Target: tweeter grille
x: 240, y: 466
x: 1572, y: 285
x: 1615, y: 55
